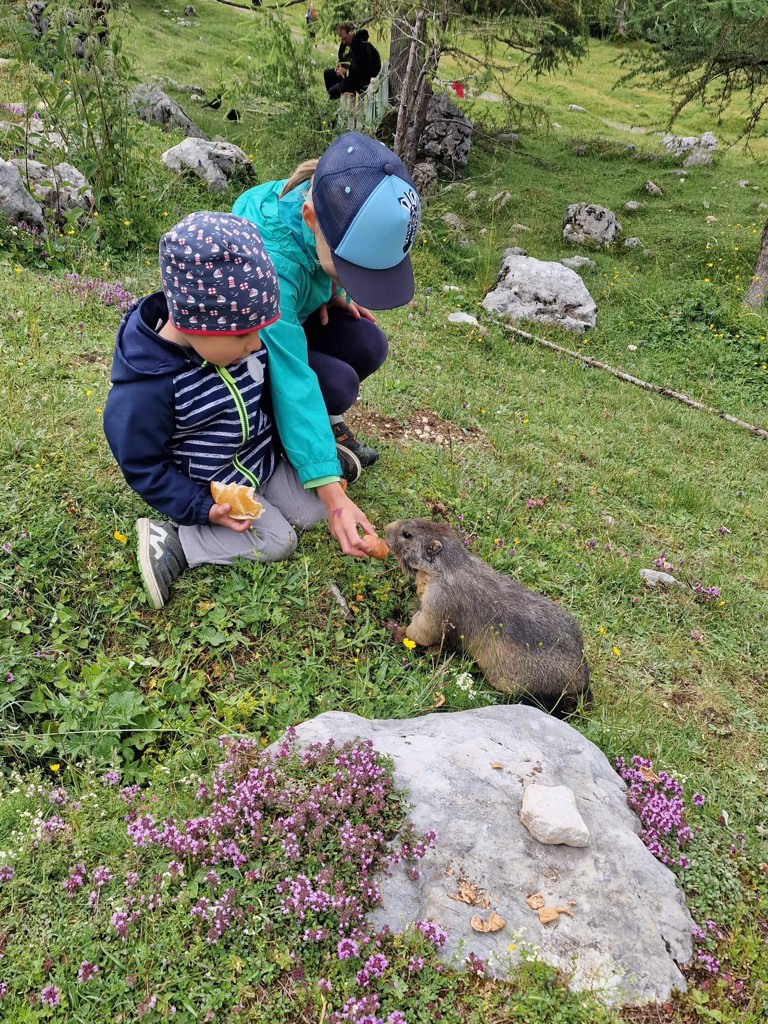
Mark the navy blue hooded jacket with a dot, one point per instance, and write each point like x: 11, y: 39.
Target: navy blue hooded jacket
x: 175, y: 422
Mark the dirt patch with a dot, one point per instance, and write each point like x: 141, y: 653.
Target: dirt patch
x: 422, y: 425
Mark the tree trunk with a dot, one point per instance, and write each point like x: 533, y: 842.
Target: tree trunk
x: 399, y: 45
x: 408, y: 87
x: 755, y: 296
x: 424, y: 50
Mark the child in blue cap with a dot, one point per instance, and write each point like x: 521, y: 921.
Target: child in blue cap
x: 186, y: 406
x: 339, y: 232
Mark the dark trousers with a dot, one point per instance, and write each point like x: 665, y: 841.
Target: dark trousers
x: 336, y: 85
x: 342, y: 354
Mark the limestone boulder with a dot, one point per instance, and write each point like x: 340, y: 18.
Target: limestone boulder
x: 591, y: 224
x: 447, y: 136
x: 17, y: 205
x: 466, y: 775
x: 155, y: 106
x: 531, y: 289
x: 696, y: 150
x: 61, y: 188
x: 215, y: 162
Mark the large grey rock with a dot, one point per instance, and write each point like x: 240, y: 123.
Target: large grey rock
x: 61, y: 189
x: 17, y: 205
x: 466, y: 774
x: 447, y: 136
x: 590, y: 223
x: 154, y: 105
x: 214, y: 162
x: 697, y: 150
x: 530, y: 289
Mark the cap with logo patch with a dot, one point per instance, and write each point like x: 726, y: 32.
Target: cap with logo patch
x: 368, y: 210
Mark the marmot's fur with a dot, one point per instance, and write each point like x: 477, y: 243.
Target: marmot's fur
x: 524, y: 643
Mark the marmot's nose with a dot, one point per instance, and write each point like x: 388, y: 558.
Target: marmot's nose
x: 390, y: 531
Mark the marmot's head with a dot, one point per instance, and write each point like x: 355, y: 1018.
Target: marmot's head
x: 418, y: 544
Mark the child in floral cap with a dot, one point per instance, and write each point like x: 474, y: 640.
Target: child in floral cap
x: 186, y: 405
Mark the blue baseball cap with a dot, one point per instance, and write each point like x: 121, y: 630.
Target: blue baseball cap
x: 368, y: 210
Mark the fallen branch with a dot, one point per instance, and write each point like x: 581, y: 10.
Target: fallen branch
x: 646, y: 385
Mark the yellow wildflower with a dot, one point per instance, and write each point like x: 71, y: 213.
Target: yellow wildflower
x: 408, y: 643
x: 120, y: 536
x: 616, y: 650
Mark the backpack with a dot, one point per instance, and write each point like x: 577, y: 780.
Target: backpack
x: 374, y: 60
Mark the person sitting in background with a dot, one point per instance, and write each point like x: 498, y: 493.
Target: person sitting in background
x: 354, y: 70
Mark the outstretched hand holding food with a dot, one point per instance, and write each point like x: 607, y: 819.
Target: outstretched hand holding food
x: 344, y: 518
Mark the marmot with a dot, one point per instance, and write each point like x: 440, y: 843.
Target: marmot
x: 524, y: 643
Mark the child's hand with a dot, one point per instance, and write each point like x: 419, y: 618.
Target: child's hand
x: 344, y: 518
x: 349, y: 306
x: 219, y: 516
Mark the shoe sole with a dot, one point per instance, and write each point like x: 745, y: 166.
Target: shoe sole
x: 143, y: 527
x: 353, y: 460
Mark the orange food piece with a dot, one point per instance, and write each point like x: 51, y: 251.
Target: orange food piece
x: 377, y: 546
x: 241, y: 499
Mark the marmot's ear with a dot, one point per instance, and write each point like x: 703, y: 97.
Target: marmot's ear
x: 433, y: 550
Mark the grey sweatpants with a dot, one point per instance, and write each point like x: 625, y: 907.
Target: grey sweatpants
x: 271, y: 537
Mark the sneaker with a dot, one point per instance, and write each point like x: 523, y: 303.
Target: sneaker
x: 161, y: 558
x: 350, y: 464
x: 344, y: 436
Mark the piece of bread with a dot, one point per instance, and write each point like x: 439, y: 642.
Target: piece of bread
x: 377, y: 546
x: 241, y: 499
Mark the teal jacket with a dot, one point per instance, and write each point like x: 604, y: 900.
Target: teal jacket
x: 299, y: 410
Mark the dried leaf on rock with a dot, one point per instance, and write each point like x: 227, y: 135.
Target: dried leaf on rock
x: 549, y: 914
x: 493, y: 924
x: 496, y: 764
x: 534, y: 900
x: 466, y: 892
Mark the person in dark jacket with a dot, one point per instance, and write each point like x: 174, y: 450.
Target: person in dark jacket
x: 185, y: 408
x: 353, y: 71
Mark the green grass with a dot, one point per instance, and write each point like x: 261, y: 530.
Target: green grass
x: 92, y: 676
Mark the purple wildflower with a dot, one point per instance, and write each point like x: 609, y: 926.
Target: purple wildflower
x: 6, y: 873
x: 346, y: 948
x: 50, y: 995
x: 432, y: 933
x: 86, y: 972
x: 475, y: 965
x: 76, y: 880
x: 101, y: 875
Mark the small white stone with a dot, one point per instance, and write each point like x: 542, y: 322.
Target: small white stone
x: 664, y: 579
x: 463, y: 318
x: 551, y: 816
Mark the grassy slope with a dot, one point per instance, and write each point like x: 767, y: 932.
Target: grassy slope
x: 254, y: 649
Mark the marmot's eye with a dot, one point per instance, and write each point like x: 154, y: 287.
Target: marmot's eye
x: 407, y: 535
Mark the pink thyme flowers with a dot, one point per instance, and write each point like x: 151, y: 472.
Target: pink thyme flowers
x: 657, y: 800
